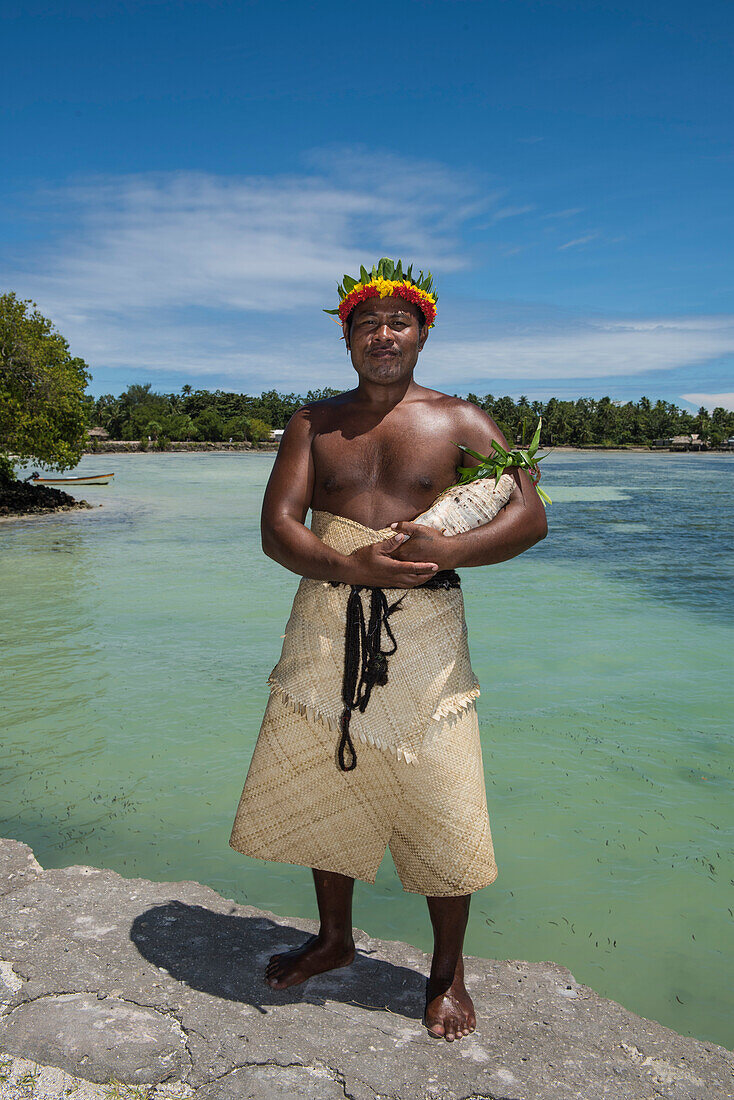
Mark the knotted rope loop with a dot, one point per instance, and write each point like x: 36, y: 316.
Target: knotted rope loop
x: 365, y: 660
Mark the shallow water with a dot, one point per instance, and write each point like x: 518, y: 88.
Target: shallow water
x: 136, y: 644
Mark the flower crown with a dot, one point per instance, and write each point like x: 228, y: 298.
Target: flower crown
x: 384, y: 281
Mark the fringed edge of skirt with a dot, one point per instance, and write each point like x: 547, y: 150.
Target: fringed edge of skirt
x: 297, y: 707
x: 456, y: 704
x: 314, y: 715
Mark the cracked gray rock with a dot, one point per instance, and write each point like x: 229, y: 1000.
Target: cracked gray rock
x: 94, y: 964
x: 97, y: 1037
x: 275, y: 1082
x: 18, y: 865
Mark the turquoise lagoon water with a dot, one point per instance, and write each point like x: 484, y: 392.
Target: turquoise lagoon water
x: 136, y: 644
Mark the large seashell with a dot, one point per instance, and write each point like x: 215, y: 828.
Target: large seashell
x: 464, y: 507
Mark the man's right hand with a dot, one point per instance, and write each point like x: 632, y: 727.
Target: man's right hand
x: 374, y: 567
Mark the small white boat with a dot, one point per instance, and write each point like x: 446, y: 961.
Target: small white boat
x: 90, y: 479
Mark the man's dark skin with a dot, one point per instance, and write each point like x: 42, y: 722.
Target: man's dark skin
x: 379, y: 454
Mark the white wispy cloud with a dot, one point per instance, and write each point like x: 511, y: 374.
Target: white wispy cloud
x: 246, y: 244
x: 290, y: 352
x: 569, y: 212
x: 578, y: 241
x: 710, y: 401
x: 185, y: 271
x: 580, y: 349
x: 511, y: 212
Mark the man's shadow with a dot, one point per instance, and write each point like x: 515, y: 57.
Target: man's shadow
x: 226, y: 956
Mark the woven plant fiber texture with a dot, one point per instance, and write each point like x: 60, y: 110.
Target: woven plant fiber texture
x: 429, y: 676
x: 298, y: 807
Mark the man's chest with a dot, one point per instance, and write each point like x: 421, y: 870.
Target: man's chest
x: 400, y: 461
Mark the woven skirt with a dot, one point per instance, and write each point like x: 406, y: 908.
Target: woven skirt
x: 298, y: 807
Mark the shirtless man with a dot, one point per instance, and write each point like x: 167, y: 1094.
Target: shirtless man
x: 378, y: 454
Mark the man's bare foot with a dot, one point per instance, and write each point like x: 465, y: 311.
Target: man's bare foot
x: 449, y: 1011
x: 315, y: 956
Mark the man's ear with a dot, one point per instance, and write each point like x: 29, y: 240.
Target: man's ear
x: 345, y: 333
x: 425, y: 329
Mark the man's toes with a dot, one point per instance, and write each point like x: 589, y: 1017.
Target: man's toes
x: 451, y: 1029
x: 435, y: 1030
x: 277, y: 979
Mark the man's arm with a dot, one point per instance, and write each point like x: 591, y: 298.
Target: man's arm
x: 519, y: 525
x: 288, y: 541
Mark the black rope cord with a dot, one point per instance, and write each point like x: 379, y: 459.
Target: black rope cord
x: 365, y: 661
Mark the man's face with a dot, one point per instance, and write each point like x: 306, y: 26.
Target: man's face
x: 385, y: 338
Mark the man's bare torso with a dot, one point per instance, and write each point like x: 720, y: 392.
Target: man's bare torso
x: 378, y: 468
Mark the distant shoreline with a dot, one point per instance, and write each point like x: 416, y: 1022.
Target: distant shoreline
x: 132, y: 447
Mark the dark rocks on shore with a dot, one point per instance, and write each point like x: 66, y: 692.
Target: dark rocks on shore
x: 21, y: 498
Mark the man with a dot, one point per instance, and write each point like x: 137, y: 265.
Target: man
x: 395, y: 676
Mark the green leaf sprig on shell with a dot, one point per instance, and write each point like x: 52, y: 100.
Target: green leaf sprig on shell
x: 495, y: 464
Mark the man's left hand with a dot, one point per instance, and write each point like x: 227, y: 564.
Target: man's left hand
x: 424, y: 544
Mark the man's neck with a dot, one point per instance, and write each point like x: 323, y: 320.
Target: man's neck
x: 384, y: 397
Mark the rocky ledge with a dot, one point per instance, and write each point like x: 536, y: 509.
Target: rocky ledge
x: 123, y: 988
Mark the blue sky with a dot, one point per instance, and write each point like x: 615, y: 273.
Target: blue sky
x: 184, y: 184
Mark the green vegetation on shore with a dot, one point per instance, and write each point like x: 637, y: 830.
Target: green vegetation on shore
x: 43, y: 410
x: 197, y: 415
x: 602, y: 422
x: 214, y: 416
